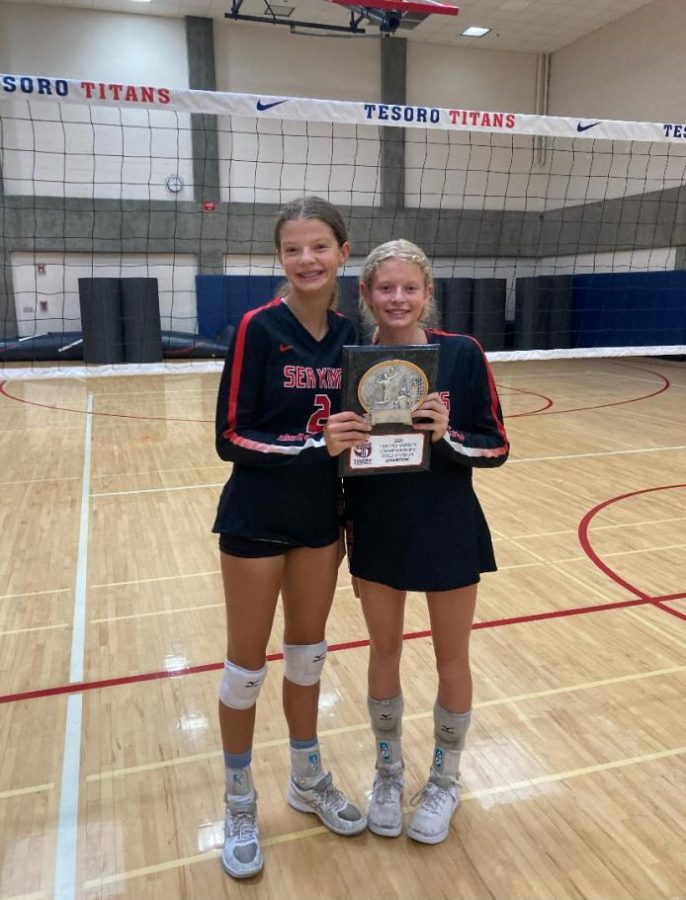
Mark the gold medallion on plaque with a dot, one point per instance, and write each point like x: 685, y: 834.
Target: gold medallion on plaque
x: 392, y: 390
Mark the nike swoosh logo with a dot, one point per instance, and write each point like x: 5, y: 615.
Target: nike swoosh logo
x: 580, y: 127
x: 285, y: 347
x: 262, y: 106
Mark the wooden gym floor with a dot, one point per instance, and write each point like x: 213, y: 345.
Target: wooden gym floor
x: 112, y: 635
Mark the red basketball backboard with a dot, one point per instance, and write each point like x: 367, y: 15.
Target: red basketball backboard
x: 422, y: 7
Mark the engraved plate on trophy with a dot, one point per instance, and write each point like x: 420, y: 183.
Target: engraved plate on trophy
x: 387, y: 384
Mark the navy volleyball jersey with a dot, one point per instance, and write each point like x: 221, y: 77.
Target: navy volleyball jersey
x: 278, y: 387
x: 425, y: 531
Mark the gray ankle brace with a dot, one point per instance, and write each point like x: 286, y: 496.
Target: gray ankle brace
x: 450, y: 731
x: 387, y: 724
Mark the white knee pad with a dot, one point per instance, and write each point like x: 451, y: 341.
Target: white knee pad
x: 239, y: 687
x: 304, y: 662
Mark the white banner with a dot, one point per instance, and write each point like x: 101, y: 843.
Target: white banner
x: 96, y: 93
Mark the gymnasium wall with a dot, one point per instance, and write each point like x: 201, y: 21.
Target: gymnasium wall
x: 630, y: 70
x: 260, y: 59
x: 101, y: 46
x: 48, y: 300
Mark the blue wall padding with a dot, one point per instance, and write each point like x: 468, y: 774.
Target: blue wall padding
x: 223, y: 299
x: 629, y: 309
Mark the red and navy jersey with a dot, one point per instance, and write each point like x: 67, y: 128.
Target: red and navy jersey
x: 278, y: 388
x: 425, y: 531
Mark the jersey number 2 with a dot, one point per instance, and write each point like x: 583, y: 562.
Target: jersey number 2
x: 322, y: 411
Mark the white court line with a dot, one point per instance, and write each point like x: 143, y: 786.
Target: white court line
x: 632, y: 552
x: 34, y: 594
x: 470, y: 795
x: 545, y: 534
x: 540, y: 561
x: 33, y: 628
x: 109, y: 584
x: 156, y: 612
x: 220, y: 465
x: 645, y: 623
x: 162, y: 391
x: 111, y: 475
x: 599, y: 453
x: 20, y: 792
x: 573, y: 773
x: 348, y: 729
x: 67, y: 828
x: 611, y: 555
x: 185, y: 487
x: 38, y: 895
x: 191, y: 487
x: 41, y: 480
x: 39, y: 428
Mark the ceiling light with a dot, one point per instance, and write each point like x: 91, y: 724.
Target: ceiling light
x: 475, y: 31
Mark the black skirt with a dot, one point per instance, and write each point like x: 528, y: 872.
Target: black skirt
x: 422, y: 531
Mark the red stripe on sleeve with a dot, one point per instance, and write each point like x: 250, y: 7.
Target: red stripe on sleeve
x: 237, y: 365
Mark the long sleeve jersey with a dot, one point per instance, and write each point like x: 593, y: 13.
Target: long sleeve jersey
x: 278, y: 388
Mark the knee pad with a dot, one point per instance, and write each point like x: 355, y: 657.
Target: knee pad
x: 239, y: 687
x: 303, y: 663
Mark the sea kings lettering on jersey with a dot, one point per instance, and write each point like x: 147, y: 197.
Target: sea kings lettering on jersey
x: 307, y: 377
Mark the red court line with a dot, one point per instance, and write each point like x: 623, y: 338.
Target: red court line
x: 84, y: 412
x: 672, y: 612
x: 666, y: 384
x: 585, y: 542
x: 548, y: 402
x: 83, y: 686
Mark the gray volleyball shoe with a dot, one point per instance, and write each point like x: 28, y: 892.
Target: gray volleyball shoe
x: 241, y: 854
x: 385, y: 813
x: 329, y: 804
x: 436, y: 803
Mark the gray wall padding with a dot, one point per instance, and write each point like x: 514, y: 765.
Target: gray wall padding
x: 455, y: 304
x: 141, y: 320
x: 557, y: 293
x: 348, y: 302
x: 543, y: 312
x: 529, y: 316
x: 101, y: 320
x: 488, y: 312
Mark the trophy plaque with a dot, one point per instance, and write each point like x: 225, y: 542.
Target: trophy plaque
x: 387, y: 385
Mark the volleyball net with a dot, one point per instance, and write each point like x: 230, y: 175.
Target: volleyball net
x: 136, y: 221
